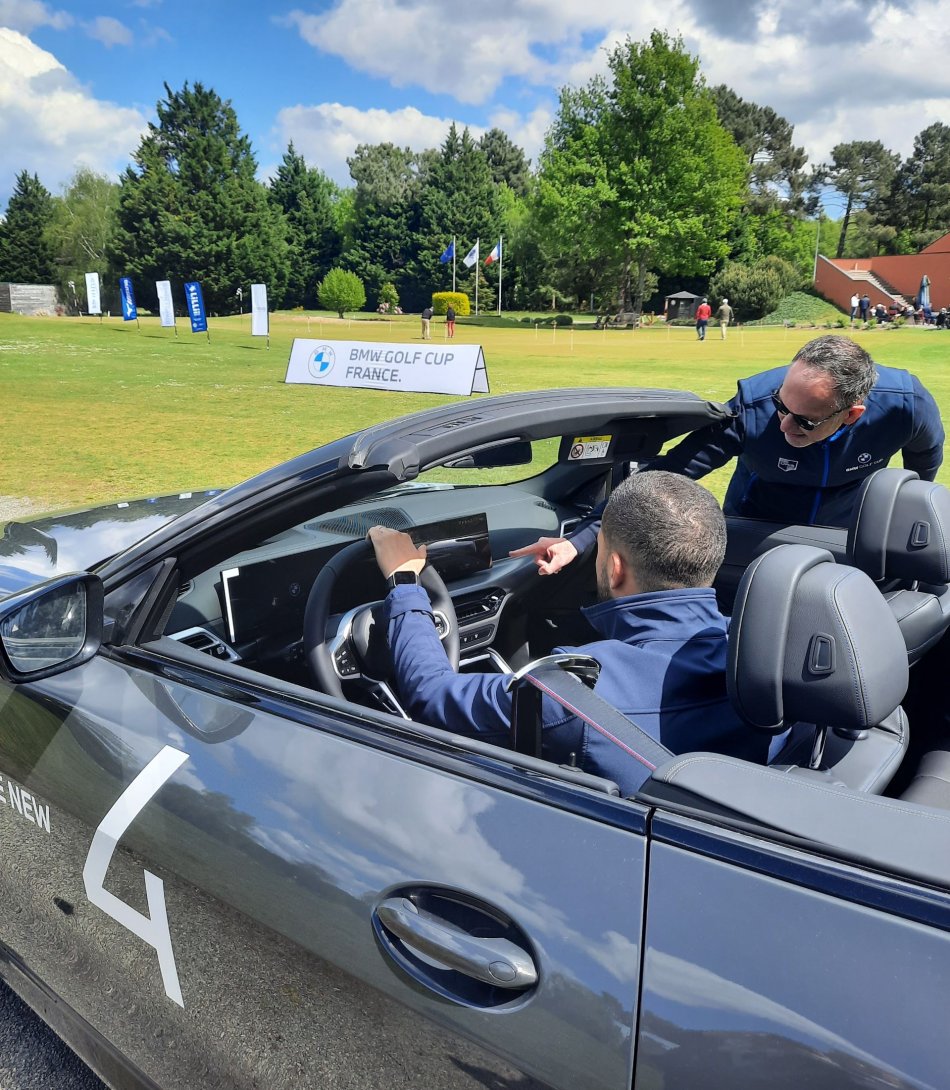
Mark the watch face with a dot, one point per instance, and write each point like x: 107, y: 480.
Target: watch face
x: 399, y: 577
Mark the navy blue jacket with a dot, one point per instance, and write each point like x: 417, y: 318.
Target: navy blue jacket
x: 663, y: 662
x: 806, y: 485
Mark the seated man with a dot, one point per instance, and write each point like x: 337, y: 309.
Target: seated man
x: 663, y: 651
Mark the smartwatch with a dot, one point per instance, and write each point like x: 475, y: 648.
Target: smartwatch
x: 399, y: 578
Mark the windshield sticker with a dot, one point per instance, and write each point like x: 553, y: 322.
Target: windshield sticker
x: 589, y: 446
x: 26, y: 806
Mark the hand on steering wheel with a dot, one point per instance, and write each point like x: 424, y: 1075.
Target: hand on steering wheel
x: 365, y: 636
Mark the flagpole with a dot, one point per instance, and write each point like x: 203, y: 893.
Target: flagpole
x: 453, y: 264
x: 501, y: 264
x: 478, y: 258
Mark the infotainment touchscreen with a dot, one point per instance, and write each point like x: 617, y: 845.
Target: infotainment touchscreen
x: 251, y: 594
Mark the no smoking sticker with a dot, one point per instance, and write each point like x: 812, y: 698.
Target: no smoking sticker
x: 589, y: 446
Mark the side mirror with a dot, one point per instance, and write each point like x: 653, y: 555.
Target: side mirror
x: 50, y: 628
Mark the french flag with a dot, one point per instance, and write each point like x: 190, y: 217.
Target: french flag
x: 495, y: 255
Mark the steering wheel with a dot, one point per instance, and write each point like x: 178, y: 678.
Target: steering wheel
x: 361, y: 647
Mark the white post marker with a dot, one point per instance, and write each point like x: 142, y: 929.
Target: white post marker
x: 371, y: 365
x: 260, y: 320
x: 166, y: 307
x: 93, y: 300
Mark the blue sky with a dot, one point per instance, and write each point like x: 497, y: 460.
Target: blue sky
x: 79, y: 79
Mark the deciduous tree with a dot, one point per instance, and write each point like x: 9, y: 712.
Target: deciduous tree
x: 341, y: 290
x: 637, y: 170
x: 82, y: 224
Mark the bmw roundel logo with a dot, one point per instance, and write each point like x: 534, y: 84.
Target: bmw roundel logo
x: 863, y: 459
x: 322, y: 361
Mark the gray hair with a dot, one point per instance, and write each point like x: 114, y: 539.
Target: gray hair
x: 669, y: 529
x: 851, y: 369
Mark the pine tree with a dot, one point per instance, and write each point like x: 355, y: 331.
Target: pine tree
x: 306, y: 198
x: 25, y: 253
x: 191, y: 207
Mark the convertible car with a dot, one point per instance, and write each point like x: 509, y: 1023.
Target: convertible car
x: 231, y: 859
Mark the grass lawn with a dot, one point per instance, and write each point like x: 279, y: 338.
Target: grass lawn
x: 97, y: 411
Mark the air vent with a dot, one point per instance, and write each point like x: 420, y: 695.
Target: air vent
x: 360, y: 523
x: 185, y: 588
x: 474, y: 607
x: 200, y: 639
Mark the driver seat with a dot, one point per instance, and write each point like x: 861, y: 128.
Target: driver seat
x: 815, y: 650
x: 900, y: 537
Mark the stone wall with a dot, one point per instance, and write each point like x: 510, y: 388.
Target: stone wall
x: 28, y: 299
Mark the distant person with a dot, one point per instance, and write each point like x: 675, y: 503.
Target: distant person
x: 865, y: 306
x: 703, y: 314
x: 724, y: 316
x: 426, y: 322
x: 805, y: 437
x: 855, y: 304
x: 450, y: 322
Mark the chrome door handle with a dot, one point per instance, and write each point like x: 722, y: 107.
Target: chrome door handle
x: 494, y: 961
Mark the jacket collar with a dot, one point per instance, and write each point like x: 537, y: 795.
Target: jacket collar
x: 663, y: 614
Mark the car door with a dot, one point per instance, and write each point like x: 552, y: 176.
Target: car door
x: 216, y: 880
x: 768, y: 964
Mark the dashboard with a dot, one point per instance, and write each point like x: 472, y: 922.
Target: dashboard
x: 250, y: 609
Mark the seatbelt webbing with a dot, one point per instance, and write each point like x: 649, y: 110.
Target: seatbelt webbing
x: 575, y: 697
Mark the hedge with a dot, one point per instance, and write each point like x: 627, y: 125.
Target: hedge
x: 441, y: 300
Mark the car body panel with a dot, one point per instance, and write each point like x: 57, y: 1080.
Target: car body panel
x: 275, y: 842
x: 762, y: 981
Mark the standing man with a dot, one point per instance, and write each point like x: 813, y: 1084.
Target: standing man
x: 450, y: 321
x: 805, y: 437
x: 724, y: 315
x: 426, y: 320
x: 703, y: 314
x: 855, y: 303
x: 662, y: 646
x: 865, y: 306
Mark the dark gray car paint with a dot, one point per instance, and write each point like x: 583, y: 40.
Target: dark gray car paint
x: 276, y: 844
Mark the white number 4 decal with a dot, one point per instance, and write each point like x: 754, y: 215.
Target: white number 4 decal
x: 153, y: 928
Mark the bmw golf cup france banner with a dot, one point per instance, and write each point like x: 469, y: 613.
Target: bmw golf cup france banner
x: 259, y: 323
x: 166, y: 308
x: 93, y: 304
x: 129, y: 313
x: 369, y: 365
x: 195, y: 302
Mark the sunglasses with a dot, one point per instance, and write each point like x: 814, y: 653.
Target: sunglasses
x: 802, y: 421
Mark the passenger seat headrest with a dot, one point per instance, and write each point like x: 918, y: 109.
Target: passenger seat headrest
x: 901, y: 529
x: 813, y: 641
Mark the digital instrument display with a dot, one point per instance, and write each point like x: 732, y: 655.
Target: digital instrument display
x: 252, y: 593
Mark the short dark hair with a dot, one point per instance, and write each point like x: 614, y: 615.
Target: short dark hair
x: 669, y: 529
x: 851, y: 369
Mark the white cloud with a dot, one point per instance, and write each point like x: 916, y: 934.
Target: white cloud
x: 50, y: 124
x: 27, y: 15
x: 838, y: 72
x: 326, y: 134
x: 108, y: 31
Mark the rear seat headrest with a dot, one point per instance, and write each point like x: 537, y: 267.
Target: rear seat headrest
x: 901, y: 529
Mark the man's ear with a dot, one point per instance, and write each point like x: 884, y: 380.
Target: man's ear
x: 854, y: 413
x: 616, y: 570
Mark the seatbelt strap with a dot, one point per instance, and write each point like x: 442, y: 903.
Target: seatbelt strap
x: 553, y: 677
